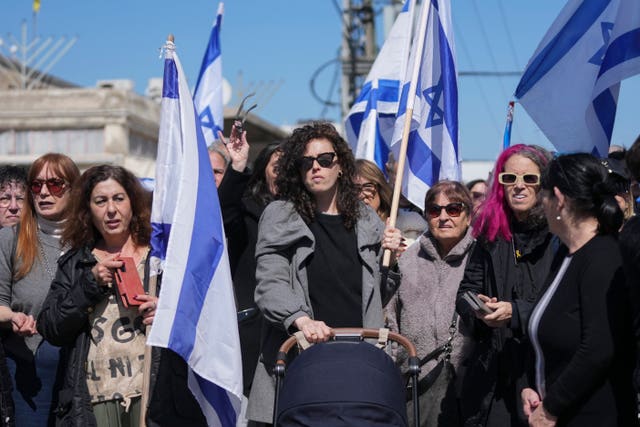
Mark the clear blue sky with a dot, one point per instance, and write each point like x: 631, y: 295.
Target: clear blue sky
x: 289, y: 40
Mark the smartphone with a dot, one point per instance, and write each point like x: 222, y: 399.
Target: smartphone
x: 476, y: 303
x: 128, y: 282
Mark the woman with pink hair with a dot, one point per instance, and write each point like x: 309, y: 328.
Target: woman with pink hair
x: 506, y: 270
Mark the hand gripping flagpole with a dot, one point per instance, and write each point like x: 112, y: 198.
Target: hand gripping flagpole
x: 402, y: 155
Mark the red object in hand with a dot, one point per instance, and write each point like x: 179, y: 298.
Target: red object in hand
x: 128, y: 283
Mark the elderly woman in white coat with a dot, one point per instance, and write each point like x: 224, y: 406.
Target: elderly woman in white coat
x: 423, y: 308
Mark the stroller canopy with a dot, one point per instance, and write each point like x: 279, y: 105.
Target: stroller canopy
x: 342, y: 383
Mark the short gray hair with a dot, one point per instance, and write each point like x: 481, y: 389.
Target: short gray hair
x: 219, y: 148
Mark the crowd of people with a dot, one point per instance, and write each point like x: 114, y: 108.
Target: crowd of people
x: 519, y: 291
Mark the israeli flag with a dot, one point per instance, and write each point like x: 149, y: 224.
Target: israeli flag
x: 571, y: 84
x: 430, y: 91
x: 208, y: 91
x: 196, y: 314
x: 369, y: 124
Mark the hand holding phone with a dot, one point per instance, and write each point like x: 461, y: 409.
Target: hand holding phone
x: 128, y: 281
x: 476, y: 303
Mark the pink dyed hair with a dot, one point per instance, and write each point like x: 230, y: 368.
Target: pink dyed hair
x: 494, y: 218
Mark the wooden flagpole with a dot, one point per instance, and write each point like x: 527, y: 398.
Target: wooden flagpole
x: 402, y: 155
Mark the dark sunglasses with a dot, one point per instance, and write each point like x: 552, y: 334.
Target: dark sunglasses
x: 452, y: 209
x: 324, y: 160
x: 508, y: 178
x: 56, y: 186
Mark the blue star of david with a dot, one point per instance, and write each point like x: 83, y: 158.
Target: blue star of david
x: 432, y: 96
x: 607, y: 28
x: 206, y: 120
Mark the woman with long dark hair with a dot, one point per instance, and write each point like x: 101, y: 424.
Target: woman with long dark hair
x: 102, y: 335
x: 28, y: 255
x: 507, y: 269
x: 317, y: 253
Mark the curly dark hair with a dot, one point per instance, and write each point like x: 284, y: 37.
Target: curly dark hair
x: 290, y: 180
x: 80, y: 231
x: 13, y: 174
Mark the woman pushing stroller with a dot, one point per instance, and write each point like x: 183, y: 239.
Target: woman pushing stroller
x: 317, y: 254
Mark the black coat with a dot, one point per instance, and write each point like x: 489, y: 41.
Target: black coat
x: 6, y: 387
x: 498, y: 363
x: 241, y: 215
x: 64, y: 322
x: 630, y: 250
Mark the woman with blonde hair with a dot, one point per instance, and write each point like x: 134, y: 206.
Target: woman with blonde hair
x: 28, y: 255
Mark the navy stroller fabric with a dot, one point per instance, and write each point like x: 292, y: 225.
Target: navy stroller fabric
x: 341, y: 383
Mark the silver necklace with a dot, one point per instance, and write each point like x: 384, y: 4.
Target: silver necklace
x: 46, y: 264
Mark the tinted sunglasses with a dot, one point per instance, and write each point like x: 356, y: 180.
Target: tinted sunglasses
x: 368, y: 190
x: 452, y: 209
x: 56, y: 186
x: 325, y: 160
x: 508, y: 178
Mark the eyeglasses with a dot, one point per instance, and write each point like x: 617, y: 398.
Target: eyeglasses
x: 5, y: 200
x: 56, y: 186
x: 452, y: 209
x: 368, y: 190
x: 508, y: 178
x: 325, y: 160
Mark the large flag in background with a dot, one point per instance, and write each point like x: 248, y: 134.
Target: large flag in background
x: 369, y: 124
x: 208, y: 92
x: 571, y: 84
x: 196, y: 314
x: 432, y: 151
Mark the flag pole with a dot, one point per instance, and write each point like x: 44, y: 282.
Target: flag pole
x: 506, y: 140
x: 148, y: 350
x: 402, y: 155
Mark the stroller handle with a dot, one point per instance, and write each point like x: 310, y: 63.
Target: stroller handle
x: 361, y: 332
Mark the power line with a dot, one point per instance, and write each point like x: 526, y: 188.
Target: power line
x: 489, y: 49
x: 483, y: 94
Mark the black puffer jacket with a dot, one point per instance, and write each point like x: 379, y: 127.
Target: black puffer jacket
x: 64, y: 321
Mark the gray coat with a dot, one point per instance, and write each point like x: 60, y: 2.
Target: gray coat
x: 423, y: 306
x: 422, y: 310
x: 282, y: 294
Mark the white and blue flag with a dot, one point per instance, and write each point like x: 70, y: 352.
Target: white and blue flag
x: 196, y: 314
x: 208, y: 92
x: 369, y: 124
x: 571, y: 84
x: 432, y: 150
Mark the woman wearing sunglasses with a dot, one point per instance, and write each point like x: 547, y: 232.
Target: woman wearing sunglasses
x: 317, y: 253
x: 423, y: 308
x: 507, y: 269
x: 376, y: 192
x: 28, y: 263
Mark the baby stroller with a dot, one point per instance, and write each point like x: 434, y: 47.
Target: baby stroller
x: 344, y: 382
